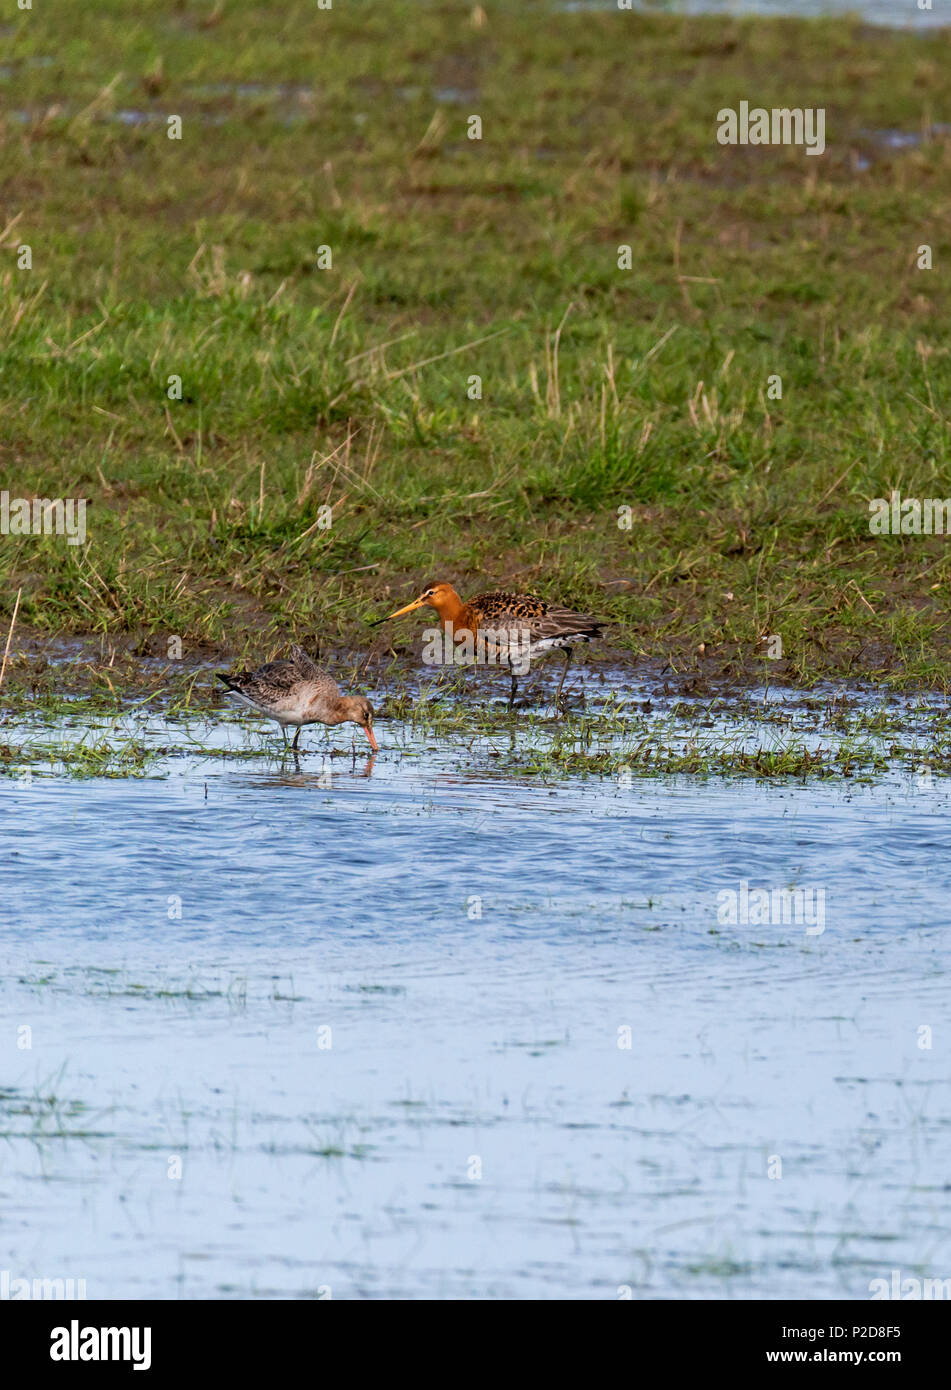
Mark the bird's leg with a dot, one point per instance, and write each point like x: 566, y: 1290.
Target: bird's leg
x: 296, y: 737
x: 567, y: 652
x: 514, y: 689
x: 284, y: 735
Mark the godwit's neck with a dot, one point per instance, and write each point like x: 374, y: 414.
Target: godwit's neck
x: 336, y: 711
x: 450, y: 608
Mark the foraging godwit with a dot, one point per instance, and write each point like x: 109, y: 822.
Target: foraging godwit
x: 299, y: 692
x: 513, y: 627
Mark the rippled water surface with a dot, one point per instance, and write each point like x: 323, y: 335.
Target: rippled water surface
x: 424, y: 1028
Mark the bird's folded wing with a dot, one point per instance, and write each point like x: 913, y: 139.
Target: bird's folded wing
x: 562, y: 622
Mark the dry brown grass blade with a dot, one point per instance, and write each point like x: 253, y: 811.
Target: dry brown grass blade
x: 16, y: 609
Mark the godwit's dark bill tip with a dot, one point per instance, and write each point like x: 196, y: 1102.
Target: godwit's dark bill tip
x: 375, y: 622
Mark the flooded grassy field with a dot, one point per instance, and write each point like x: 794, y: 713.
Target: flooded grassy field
x: 469, y: 1021
x: 325, y: 346
x: 640, y: 996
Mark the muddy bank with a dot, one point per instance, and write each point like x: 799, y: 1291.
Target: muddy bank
x: 131, y: 666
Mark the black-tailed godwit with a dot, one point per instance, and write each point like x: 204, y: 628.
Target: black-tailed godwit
x: 299, y: 692
x: 514, y: 627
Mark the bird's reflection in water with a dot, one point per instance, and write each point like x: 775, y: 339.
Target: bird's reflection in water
x: 294, y: 774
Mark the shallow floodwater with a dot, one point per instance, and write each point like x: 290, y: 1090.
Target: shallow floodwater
x: 893, y: 14
x: 418, y: 1027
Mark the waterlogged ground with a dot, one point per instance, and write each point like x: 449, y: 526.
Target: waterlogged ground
x: 462, y: 1022
x: 884, y: 12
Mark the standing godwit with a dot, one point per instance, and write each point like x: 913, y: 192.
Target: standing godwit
x: 299, y: 692
x: 514, y: 628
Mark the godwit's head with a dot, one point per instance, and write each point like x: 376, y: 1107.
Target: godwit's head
x: 442, y: 597
x: 356, y: 709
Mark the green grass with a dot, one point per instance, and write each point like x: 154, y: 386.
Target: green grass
x: 347, y: 387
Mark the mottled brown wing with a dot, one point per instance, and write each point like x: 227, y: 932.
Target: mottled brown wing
x: 304, y: 663
x: 503, y: 607
x: 564, y: 622
x: 536, y: 615
x: 276, y: 677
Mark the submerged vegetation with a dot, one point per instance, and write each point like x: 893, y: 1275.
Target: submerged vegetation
x: 350, y: 383
x: 607, y: 736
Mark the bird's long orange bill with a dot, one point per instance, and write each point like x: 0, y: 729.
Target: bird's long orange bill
x: 417, y: 603
x: 369, y: 733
